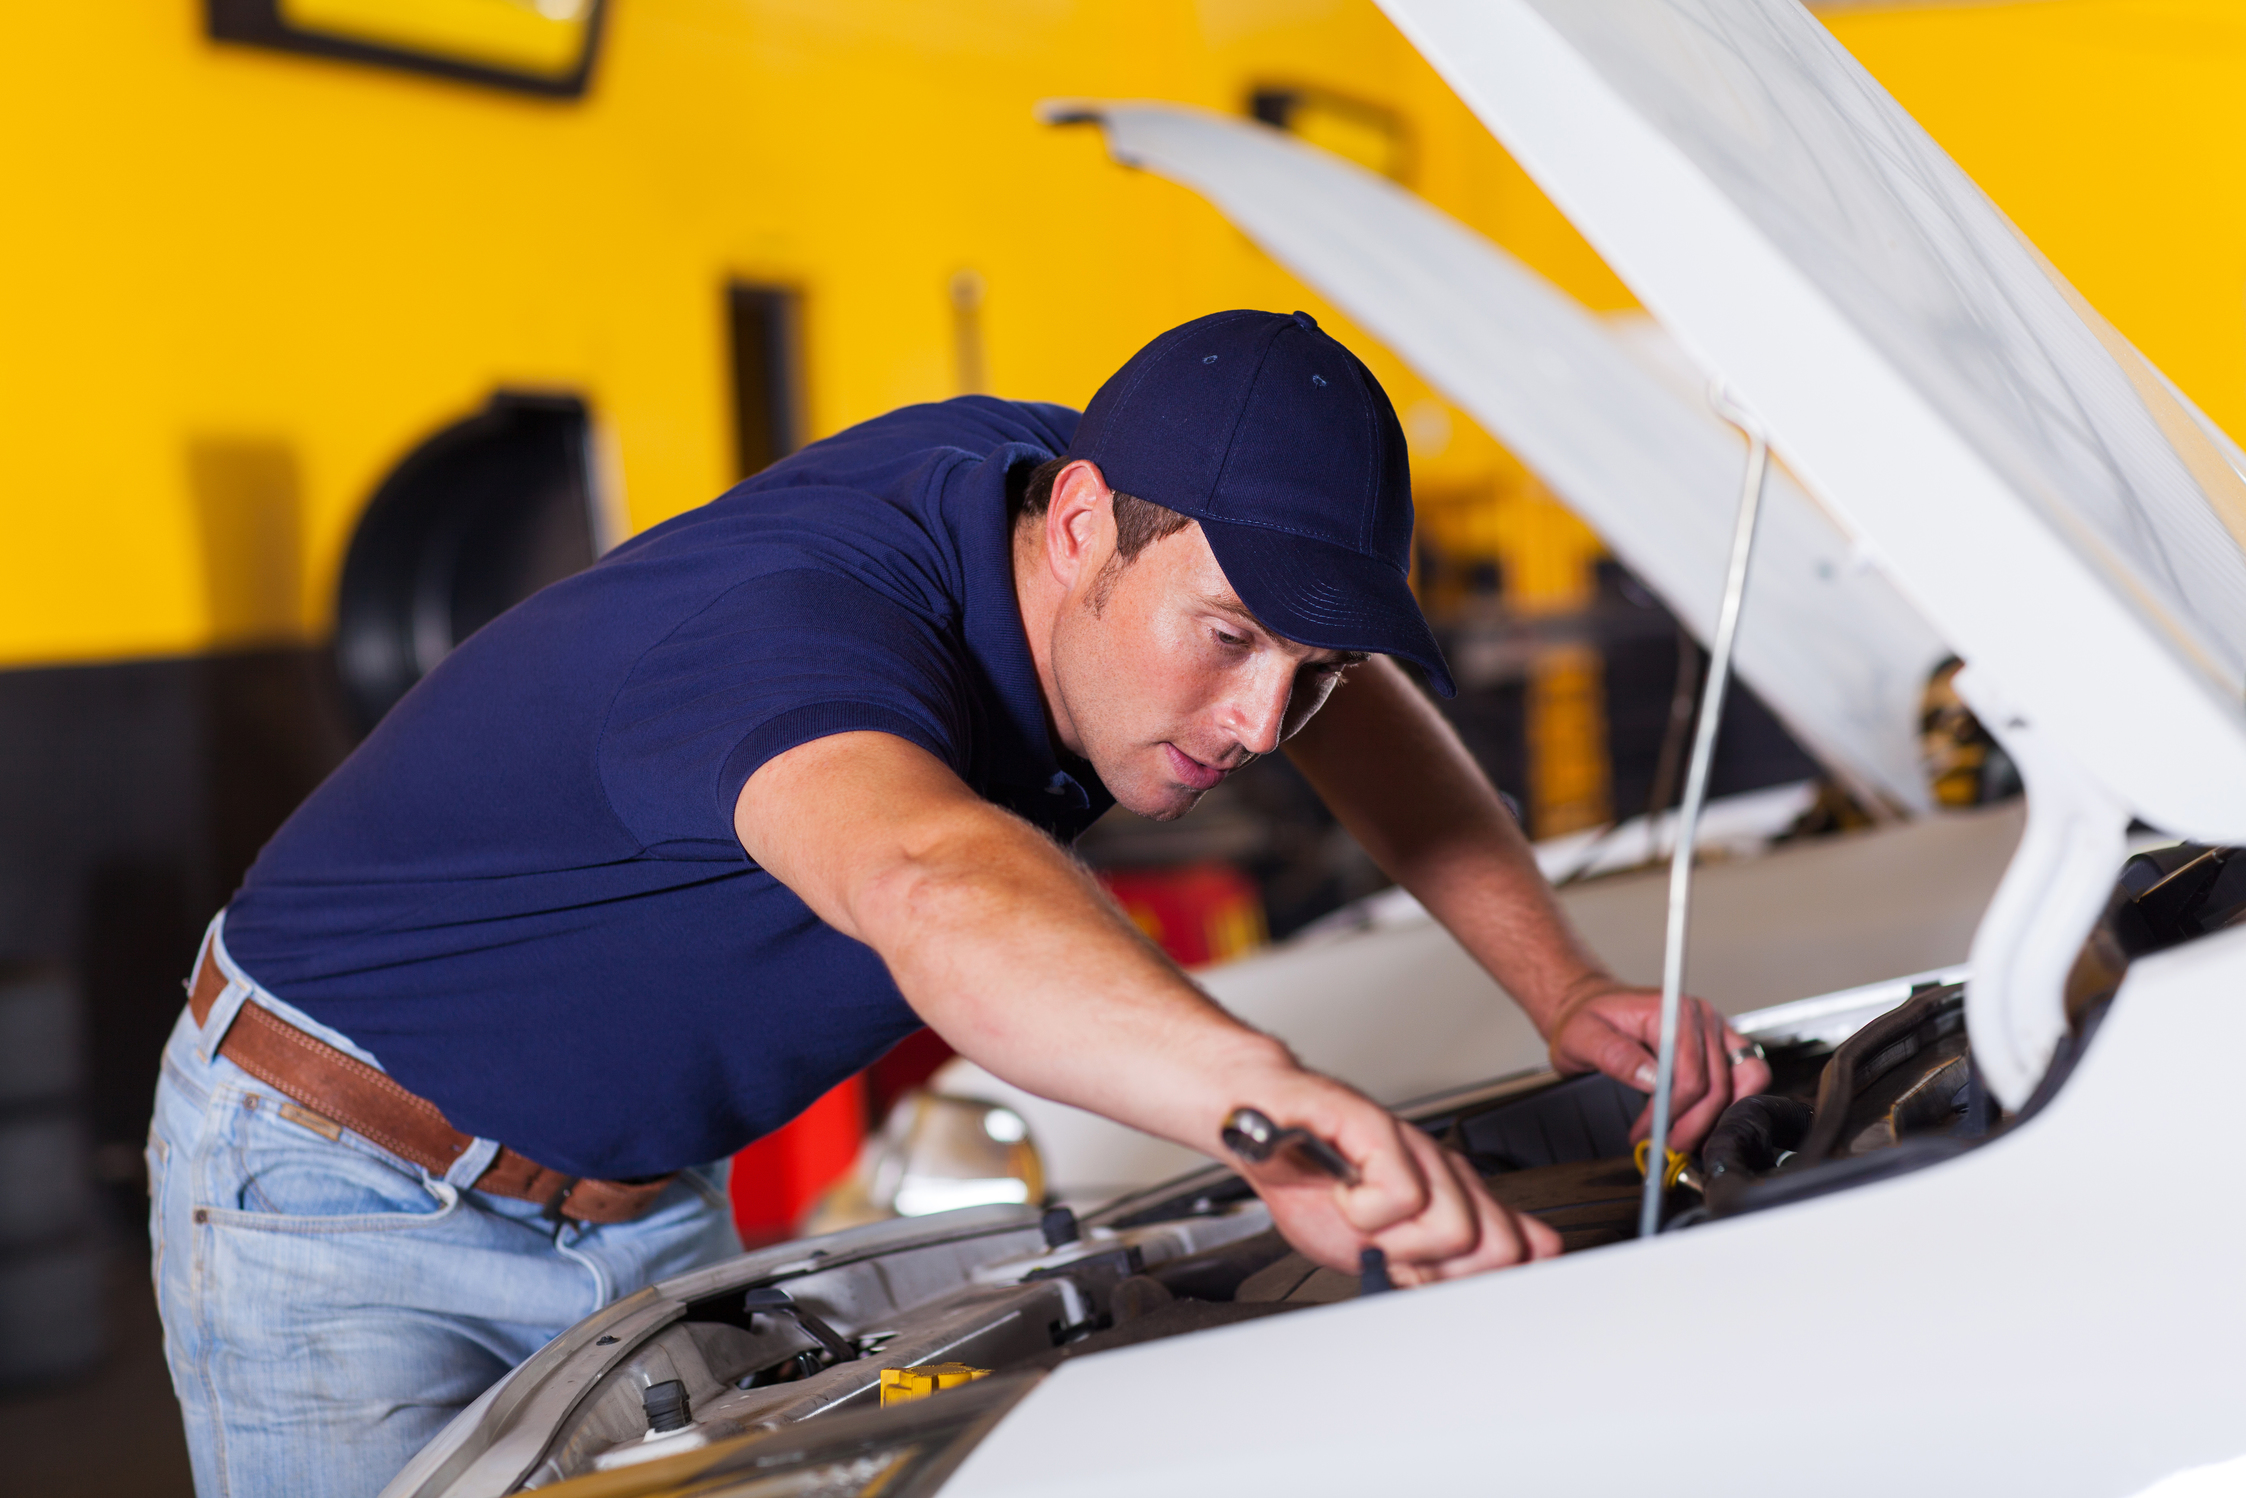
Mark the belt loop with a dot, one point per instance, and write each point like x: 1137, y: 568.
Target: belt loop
x: 202, y: 951
x: 473, y: 1162
x: 230, y: 998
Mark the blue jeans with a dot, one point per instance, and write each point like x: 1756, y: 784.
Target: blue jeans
x: 328, y: 1306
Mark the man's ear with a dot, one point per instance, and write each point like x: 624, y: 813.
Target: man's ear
x: 1079, y: 525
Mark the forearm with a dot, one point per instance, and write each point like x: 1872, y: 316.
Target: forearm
x: 1395, y: 773
x: 1011, y: 952
x: 1015, y: 956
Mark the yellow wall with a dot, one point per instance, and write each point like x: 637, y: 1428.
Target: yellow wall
x: 2111, y: 132
x: 242, y: 284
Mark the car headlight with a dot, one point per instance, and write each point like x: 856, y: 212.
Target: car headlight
x: 902, y: 1451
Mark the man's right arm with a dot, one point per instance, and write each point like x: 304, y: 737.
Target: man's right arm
x: 1011, y: 952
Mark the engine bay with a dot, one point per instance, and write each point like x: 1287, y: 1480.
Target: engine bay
x: 818, y: 1330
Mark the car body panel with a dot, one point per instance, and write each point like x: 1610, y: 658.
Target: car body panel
x: 2055, y: 1313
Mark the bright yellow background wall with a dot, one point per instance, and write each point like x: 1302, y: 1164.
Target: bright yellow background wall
x: 2112, y: 133
x: 275, y: 274
x: 285, y: 272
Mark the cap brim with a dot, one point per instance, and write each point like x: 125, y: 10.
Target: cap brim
x: 1316, y: 593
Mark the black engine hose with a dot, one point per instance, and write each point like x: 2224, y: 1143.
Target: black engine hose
x: 1747, y: 1141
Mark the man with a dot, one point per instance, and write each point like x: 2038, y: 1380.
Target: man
x: 661, y: 855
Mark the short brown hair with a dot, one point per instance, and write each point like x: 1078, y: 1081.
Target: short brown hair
x: 1139, y: 523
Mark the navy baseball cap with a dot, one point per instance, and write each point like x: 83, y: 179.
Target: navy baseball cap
x: 1283, y: 446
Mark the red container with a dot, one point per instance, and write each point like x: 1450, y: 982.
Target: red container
x: 1200, y: 913
x: 777, y: 1178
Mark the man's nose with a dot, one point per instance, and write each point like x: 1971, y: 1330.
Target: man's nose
x: 1257, y: 712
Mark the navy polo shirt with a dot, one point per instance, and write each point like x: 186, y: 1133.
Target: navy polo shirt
x: 523, y: 893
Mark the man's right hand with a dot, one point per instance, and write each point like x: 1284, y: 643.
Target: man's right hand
x: 1421, y: 1204
x: 1616, y: 1029
x: 1011, y: 952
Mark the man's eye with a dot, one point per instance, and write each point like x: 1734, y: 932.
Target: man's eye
x: 1230, y: 640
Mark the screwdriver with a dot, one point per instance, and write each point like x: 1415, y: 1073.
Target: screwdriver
x: 1250, y: 1134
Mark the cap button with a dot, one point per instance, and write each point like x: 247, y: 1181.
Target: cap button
x: 1309, y: 324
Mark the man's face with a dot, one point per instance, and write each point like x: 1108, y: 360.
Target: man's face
x: 1167, y: 682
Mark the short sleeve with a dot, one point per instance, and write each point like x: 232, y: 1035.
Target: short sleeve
x: 774, y: 662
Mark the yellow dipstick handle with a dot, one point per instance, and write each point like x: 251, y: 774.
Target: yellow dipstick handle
x: 1671, y: 1172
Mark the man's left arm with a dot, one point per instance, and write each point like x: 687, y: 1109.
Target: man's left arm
x: 1395, y: 773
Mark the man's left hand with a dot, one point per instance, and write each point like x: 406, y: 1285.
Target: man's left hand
x: 1617, y: 1031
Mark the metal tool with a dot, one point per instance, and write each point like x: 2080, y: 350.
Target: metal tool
x: 1250, y: 1134
x: 1696, y: 792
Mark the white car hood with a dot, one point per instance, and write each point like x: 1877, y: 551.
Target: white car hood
x: 2054, y: 508
x: 1826, y: 642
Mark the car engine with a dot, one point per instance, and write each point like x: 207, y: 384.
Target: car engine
x: 802, y: 1345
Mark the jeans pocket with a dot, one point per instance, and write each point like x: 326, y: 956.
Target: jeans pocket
x: 280, y: 1176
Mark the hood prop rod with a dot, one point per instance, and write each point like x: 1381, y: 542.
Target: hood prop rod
x: 1696, y: 795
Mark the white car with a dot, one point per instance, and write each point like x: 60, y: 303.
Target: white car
x: 1981, y: 1238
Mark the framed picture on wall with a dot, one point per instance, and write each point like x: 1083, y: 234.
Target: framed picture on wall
x: 540, y: 46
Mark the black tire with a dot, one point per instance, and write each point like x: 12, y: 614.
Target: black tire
x: 469, y: 524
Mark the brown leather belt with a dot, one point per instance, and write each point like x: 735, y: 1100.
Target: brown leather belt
x: 336, y: 1091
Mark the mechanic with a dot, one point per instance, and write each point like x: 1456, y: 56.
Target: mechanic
x: 661, y: 855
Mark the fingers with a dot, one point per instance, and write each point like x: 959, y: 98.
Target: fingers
x: 1694, y: 1041
x: 1621, y: 1057
x: 1395, y: 1184
x: 1692, y: 1124
x: 1707, y: 1081
x: 1618, y: 1033
x: 1750, y: 1074
x: 1426, y: 1208
x: 1689, y: 1086
x: 1421, y: 1204
x: 1331, y: 1223
x: 1483, y: 1234
x: 1451, y: 1226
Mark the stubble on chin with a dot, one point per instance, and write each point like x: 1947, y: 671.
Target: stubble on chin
x: 1172, y: 800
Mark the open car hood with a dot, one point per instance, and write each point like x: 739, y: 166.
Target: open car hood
x: 2047, y: 500
x: 2054, y: 508
x: 1828, y: 643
